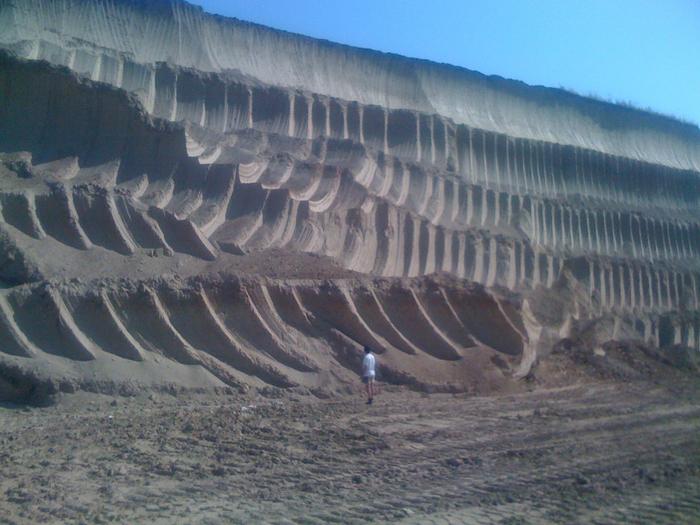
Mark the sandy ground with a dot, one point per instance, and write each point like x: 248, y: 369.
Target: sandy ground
x: 595, y: 452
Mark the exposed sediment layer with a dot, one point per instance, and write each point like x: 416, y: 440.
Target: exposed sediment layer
x: 252, y: 332
x: 293, y: 333
x: 204, y: 192
x: 122, y: 42
x: 121, y: 164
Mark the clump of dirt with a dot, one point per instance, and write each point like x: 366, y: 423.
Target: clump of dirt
x: 23, y: 386
x: 625, y: 361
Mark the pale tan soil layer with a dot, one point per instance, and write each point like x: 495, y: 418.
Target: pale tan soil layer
x: 595, y: 451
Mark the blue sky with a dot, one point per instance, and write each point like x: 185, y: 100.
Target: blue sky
x: 646, y: 52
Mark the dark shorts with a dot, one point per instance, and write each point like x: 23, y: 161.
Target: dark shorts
x: 367, y: 379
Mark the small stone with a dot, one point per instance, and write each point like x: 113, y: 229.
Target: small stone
x: 399, y: 514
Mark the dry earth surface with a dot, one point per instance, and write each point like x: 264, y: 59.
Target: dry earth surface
x: 600, y: 449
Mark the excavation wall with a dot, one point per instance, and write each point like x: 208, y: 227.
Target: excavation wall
x: 148, y: 142
x: 121, y: 42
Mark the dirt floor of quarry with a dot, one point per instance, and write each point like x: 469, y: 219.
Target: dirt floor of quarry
x: 590, y: 439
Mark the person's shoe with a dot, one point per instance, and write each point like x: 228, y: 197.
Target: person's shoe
x: 369, y: 401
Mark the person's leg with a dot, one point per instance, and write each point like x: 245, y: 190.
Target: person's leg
x: 371, y: 387
x: 368, y: 387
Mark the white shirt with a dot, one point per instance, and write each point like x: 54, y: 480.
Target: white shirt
x: 368, y: 365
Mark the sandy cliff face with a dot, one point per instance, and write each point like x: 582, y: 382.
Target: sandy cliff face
x: 174, y: 146
x: 122, y: 42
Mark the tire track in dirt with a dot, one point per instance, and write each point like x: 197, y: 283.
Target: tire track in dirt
x: 599, y: 453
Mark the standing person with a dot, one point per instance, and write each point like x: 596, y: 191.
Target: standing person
x: 368, y: 373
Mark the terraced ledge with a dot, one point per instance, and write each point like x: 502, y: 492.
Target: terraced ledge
x: 249, y: 332
x: 105, y: 41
